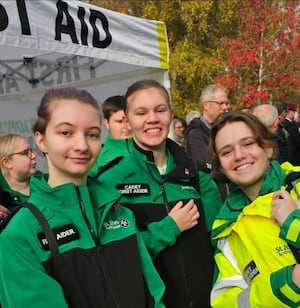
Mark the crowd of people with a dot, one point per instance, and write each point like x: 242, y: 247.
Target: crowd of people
x: 165, y: 212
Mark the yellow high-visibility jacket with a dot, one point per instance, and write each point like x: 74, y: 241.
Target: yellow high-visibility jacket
x: 254, y: 261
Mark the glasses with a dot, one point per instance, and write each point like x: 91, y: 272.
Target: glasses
x: 27, y: 152
x: 220, y: 103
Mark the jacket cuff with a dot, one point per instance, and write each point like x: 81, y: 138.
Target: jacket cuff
x: 284, y: 288
x: 290, y: 229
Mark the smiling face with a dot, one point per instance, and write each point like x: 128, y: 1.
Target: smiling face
x: 242, y: 160
x: 149, y: 116
x: 71, y: 141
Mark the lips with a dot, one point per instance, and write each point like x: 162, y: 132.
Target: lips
x: 81, y: 159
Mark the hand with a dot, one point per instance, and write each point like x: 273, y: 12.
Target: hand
x: 282, y: 206
x: 3, y: 212
x: 186, y: 216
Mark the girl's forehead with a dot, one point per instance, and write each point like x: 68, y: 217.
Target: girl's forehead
x: 233, y: 131
x: 75, y: 111
x: 148, y: 92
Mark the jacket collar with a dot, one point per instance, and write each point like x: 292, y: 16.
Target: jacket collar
x: 237, y: 200
x: 179, y: 166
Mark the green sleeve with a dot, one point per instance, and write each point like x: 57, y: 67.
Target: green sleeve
x: 160, y: 234
x: 210, y: 197
x: 284, y: 288
x: 23, y: 280
x: 290, y: 230
x: 155, y: 284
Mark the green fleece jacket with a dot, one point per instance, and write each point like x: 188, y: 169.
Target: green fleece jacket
x: 105, y: 262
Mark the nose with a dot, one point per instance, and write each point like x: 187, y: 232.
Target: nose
x: 152, y: 117
x: 124, y: 123
x: 239, y: 153
x: 225, y: 107
x: 81, y: 142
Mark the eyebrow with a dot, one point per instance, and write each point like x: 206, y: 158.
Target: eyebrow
x: 241, y: 140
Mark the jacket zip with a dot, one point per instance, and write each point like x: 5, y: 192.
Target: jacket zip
x: 164, y: 195
x: 99, y: 248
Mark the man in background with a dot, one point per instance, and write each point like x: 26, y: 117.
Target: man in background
x: 294, y: 136
x: 214, y: 101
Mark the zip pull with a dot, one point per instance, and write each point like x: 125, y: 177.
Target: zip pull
x: 163, y: 193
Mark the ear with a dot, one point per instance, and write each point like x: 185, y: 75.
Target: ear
x: 269, y: 151
x: 204, y: 105
x: 106, y: 124
x: 6, y: 162
x: 40, y: 142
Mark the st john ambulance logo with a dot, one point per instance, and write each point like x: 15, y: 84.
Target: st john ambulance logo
x: 116, y: 224
x: 124, y: 223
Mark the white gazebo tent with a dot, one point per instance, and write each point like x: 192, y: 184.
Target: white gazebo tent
x: 46, y: 44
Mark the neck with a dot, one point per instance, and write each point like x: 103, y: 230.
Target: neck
x: 208, y: 119
x: 252, y: 192
x: 160, y: 159
x: 22, y: 187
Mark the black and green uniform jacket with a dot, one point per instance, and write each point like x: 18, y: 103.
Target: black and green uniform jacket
x: 9, y: 197
x: 112, y: 151
x: 105, y: 262
x: 184, y: 261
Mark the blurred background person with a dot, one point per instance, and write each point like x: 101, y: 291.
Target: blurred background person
x: 191, y: 115
x: 293, y: 134
x: 117, y: 143
x: 177, y: 131
x: 268, y: 115
x: 285, y: 151
x: 18, y: 164
x: 214, y: 101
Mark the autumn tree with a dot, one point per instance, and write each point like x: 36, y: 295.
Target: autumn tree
x: 195, y: 29
x: 262, y: 63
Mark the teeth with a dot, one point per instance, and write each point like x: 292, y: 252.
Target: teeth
x: 243, y: 167
x: 153, y: 130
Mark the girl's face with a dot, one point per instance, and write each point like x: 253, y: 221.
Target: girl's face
x: 71, y: 141
x: 22, y: 162
x: 149, y: 116
x: 242, y: 160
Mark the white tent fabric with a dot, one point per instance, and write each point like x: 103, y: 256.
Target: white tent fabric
x: 49, y: 43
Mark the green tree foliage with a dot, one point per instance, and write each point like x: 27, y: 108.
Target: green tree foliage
x: 244, y: 43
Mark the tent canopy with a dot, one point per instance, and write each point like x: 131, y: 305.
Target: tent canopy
x: 45, y: 44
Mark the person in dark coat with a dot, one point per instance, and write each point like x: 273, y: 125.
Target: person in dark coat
x: 294, y: 135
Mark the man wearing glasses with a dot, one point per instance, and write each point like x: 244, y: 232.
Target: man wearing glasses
x: 214, y: 102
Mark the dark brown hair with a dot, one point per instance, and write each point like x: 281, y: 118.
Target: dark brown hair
x: 44, y: 109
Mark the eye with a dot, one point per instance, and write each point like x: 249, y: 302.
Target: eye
x: 94, y: 135
x: 161, y: 109
x: 140, y: 113
x: 65, y: 133
x: 249, y: 143
x: 226, y: 152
